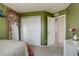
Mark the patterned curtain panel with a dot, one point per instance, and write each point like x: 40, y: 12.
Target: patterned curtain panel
x: 12, y: 17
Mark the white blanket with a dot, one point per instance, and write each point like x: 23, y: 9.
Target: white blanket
x: 13, y: 48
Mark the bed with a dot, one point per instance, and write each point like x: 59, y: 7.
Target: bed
x: 13, y: 48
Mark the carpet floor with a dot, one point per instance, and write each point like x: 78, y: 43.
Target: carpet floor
x: 47, y: 51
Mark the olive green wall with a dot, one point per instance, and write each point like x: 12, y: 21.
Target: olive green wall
x: 3, y: 32
x: 36, y: 13
x: 72, y: 19
x: 44, y: 29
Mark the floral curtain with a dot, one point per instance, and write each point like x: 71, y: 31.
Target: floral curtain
x: 12, y: 17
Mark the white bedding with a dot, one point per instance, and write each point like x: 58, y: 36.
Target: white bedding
x: 13, y: 48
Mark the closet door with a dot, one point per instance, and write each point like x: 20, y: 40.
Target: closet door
x: 51, y: 31
x: 31, y: 29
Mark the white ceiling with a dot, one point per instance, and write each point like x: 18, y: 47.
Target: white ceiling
x: 30, y: 7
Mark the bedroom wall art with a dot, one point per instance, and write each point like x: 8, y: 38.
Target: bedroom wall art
x: 1, y: 13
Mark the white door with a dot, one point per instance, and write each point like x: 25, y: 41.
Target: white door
x: 51, y: 31
x: 31, y: 29
x: 60, y: 30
